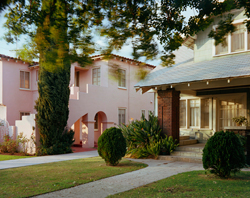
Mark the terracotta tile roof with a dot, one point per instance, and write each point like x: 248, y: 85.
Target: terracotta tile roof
x: 124, y: 58
x: 16, y: 59
x: 93, y: 57
x: 234, y: 66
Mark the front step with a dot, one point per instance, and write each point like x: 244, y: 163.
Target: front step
x: 181, y: 158
x: 187, y: 142
x: 184, y: 137
x: 189, y: 153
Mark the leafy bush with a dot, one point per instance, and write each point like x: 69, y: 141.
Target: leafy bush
x: 223, y: 154
x: 243, y: 140
x: 23, y: 141
x: 169, y: 144
x: 112, y: 146
x: 9, y: 145
x: 144, y: 138
x: 139, y: 133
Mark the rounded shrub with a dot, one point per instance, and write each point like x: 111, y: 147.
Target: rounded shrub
x: 112, y: 146
x: 223, y: 154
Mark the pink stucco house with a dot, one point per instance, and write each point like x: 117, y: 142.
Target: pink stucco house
x: 96, y: 101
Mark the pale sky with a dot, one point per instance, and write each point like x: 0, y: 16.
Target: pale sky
x: 7, y: 49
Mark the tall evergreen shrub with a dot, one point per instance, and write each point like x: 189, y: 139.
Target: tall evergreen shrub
x: 52, y: 111
x: 223, y: 154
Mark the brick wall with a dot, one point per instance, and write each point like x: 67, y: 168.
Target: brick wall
x: 168, y: 112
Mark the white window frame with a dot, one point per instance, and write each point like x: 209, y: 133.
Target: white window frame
x: 23, y: 113
x: 23, y: 88
x: 119, y: 80
x: 143, y: 113
x: 188, y: 117
x: 229, y: 40
x: 187, y: 107
x: 199, y: 116
x: 124, y: 116
x: 92, y: 76
x: 226, y: 96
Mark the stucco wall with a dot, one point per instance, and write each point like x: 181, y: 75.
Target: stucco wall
x: 108, y: 97
x: 17, y: 100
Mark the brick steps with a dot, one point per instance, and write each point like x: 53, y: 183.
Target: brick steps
x: 184, y: 137
x: 185, y: 140
x: 189, y: 153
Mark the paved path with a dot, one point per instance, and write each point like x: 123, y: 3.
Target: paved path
x: 156, y: 170
x: 45, y: 159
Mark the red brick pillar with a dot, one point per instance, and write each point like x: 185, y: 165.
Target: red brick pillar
x: 168, y: 112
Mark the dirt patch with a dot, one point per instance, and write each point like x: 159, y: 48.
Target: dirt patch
x: 176, y: 189
x: 16, y: 154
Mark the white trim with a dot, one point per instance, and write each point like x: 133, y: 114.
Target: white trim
x: 120, y: 87
x: 239, y: 21
x: 122, y: 108
x: 144, y: 113
x: 21, y: 88
x: 96, y: 67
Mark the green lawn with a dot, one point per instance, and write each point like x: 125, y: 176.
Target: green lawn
x: 33, y: 180
x: 11, y: 157
x: 194, y: 184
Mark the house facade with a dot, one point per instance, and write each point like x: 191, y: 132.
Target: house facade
x: 200, y: 97
x: 96, y: 100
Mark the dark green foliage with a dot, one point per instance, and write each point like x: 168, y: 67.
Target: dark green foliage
x: 144, y: 138
x: 60, y: 146
x: 139, y: 132
x: 223, y: 154
x: 112, y: 146
x: 52, y: 112
x: 169, y: 145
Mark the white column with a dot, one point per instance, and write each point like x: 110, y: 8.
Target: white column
x: 88, y: 136
x: 156, y: 103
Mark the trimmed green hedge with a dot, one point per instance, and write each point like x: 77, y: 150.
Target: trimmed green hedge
x: 223, y: 154
x: 112, y: 146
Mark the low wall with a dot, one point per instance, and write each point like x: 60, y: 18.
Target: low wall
x: 27, y: 127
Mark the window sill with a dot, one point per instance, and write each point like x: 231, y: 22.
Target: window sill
x: 23, y: 89
x: 218, y: 55
x: 123, y: 88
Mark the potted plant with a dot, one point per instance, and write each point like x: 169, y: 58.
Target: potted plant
x: 240, y: 120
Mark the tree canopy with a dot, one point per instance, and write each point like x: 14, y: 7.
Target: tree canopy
x: 145, y: 24
x: 60, y: 33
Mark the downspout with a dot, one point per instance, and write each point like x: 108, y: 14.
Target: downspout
x: 128, y: 91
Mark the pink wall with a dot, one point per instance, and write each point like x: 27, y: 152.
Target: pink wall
x: 17, y: 100
x: 85, y: 100
x: 108, y: 97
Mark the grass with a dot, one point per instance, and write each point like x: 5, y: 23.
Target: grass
x: 11, y: 157
x: 194, y: 184
x: 34, y: 180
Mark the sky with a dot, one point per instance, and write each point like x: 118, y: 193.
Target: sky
x: 8, y: 49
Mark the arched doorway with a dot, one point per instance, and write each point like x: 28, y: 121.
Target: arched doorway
x: 99, y: 125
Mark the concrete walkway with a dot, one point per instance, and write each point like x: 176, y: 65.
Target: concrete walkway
x: 45, y: 159
x: 156, y: 170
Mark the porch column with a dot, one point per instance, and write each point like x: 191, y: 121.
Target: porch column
x: 168, y: 112
x: 88, y: 134
x: 77, y: 129
x: 106, y: 125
